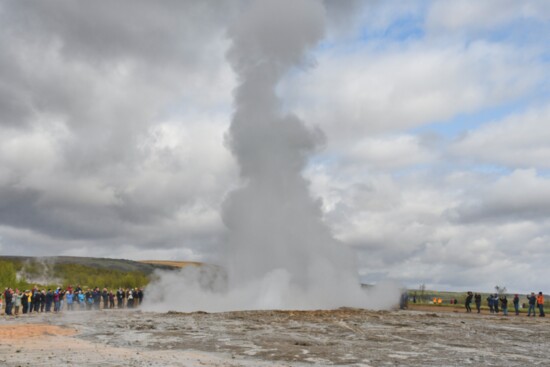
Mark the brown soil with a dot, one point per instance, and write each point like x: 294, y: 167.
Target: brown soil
x: 175, y: 264
x: 24, y: 331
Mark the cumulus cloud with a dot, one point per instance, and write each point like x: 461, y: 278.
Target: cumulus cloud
x: 113, y: 132
x: 522, y: 195
x: 375, y: 92
x: 471, y: 16
x: 517, y: 141
x: 113, y: 119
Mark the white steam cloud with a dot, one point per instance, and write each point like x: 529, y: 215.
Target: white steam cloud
x: 279, y: 252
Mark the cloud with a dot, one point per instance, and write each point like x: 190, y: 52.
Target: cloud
x: 372, y: 91
x: 463, y: 15
x: 518, y: 141
x: 113, y: 132
x: 522, y: 195
x: 113, y: 119
x: 391, y: 152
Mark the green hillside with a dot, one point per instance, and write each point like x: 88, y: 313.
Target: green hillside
x: 26, y: 272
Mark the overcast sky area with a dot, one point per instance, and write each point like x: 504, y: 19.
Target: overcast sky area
x: 436, y: 116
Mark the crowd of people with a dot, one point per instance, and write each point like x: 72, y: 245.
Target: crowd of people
x: 48, y: 300
x: 498, y: 303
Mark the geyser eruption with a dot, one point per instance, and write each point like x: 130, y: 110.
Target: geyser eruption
x: 279, y: 252
x: 274, y: 225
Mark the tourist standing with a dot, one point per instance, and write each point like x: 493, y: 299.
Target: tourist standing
x: 130, y: 302
x: 532, y: 301
x: 56, y: 302
x: 477, y: 300
x: 81, y: 300
x: 504, y: 305
x: 516, y: 304
x: 49, y: 300
x: 42, y: 300
x: 25, y: 302
x: 140, y: 295
x: 469, y: 301
x: 111, y: 299
x: 17, y: 301
x: 105, y: 297
x: 120, y: 298
x: 490, y: 303
x: 70, y: 299
x: 8, y: 299
x: 540, y: 304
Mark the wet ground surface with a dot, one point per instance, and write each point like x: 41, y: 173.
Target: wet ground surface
x: 276, y: 338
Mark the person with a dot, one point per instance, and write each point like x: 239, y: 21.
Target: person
x: 140, y: 296
x: 468, y: 301
x: 516, y: 304
x: 120, y: 298
x: 111, y: 299
x: 17, y: 301
x: 29, y: 300
x: 490, y: 303
x: 504, y: 305
x: 49, y: 300
x: 56, y: 302
x: 97, y: 297
x: 403, y: 302
x: 130, y: 302
x: 81, y: 300
x: 61, y: 298
x: 25, y: 302
x: 42, y: 300
x: 540, y: 304
x: 89, y: 299
x: 8, y: 299
x: 105, y: 296
x: 477, y: 300
x: 36, y: 300
x: 70, y: 299
x: 495, y: 302
x: 532, y: 300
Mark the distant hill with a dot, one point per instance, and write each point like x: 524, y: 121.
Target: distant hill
x: 25, y: 272
x: 121, y: 265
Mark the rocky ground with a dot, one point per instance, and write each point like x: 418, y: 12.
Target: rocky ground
x: 428, y: 337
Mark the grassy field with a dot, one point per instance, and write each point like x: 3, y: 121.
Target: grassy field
x: 50, y: 272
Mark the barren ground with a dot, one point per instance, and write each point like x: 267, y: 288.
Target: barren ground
x: 427, y: 337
